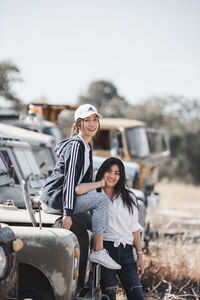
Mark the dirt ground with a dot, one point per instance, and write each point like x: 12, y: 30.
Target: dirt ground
x: 178, y: 209
x: 179, y: 196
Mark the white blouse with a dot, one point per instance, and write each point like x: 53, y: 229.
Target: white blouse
x: 122, y: 223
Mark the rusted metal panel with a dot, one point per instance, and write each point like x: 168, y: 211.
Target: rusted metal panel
x: 50, y: 250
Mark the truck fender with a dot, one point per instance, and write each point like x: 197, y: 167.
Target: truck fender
x: 52, y: 252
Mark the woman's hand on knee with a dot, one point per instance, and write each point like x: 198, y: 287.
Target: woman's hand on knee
x: 66, y: 222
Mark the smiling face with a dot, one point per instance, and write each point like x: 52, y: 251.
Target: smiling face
x: 89, y: 126
x: 112, y: 176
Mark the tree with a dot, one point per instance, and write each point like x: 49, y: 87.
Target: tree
x: 8, y: 76
x: 179, y: 115
x: 181, y: 118
x: 104, y: 95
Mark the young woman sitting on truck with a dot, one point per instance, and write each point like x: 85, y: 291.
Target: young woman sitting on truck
x: 124, y: 230
x: 74, y: 166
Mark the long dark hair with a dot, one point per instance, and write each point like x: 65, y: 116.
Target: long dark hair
x: 120, y: 188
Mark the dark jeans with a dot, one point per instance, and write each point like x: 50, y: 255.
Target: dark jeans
x: 127, y: 274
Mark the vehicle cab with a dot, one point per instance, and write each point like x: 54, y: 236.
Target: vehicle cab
x: 42, y: 145
x: 130, y: 140
x: 21, y: 163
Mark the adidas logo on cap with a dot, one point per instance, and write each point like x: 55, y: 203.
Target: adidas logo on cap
x: 84, y: 111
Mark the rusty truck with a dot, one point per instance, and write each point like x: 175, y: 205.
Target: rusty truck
x: 53, y: 263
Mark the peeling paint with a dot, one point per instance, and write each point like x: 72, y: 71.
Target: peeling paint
x: 58, y: 282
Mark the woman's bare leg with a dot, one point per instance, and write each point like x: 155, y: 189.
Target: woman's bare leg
x: 98, y: 242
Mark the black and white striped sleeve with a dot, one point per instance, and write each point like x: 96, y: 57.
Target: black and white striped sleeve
x: 70, y: 178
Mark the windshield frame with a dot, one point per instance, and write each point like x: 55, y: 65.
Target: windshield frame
x: 4, y: 172
x: 140, y: 149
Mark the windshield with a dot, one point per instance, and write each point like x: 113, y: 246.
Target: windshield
x: 29, y: 167
x: 44, y: 158
x: 27, y: 162
x: 137, y: 142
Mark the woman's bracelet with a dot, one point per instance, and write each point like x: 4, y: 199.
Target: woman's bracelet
x: 140, y: 252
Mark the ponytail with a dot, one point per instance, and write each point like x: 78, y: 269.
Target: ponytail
x: 76, y: 127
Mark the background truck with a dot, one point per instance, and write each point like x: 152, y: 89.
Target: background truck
x: 42, y: 145
x: 30, y: 121
x: 131, y: 141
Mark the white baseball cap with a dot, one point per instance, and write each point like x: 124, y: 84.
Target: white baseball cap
x: 84, y: 111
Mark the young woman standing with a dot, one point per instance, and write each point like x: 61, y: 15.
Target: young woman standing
x: 74, y: 166
x: 124, y: 230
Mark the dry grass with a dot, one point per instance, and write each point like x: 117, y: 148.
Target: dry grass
x: 176, y: 261
x: 173, y: 270
x: 173, y: 266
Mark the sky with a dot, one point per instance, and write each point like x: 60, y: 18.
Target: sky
x: 144, y: 47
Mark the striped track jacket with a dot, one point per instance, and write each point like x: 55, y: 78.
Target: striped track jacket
x: 59, y: 191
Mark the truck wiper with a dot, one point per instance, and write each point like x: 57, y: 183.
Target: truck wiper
x: 42, y: 164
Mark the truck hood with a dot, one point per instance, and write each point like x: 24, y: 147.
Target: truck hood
x: 12, y: 214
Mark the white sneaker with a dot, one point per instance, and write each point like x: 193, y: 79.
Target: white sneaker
x: 103, y: 258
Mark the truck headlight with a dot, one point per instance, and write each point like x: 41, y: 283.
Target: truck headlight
x: 3, y: 262
x: 76, y: 264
